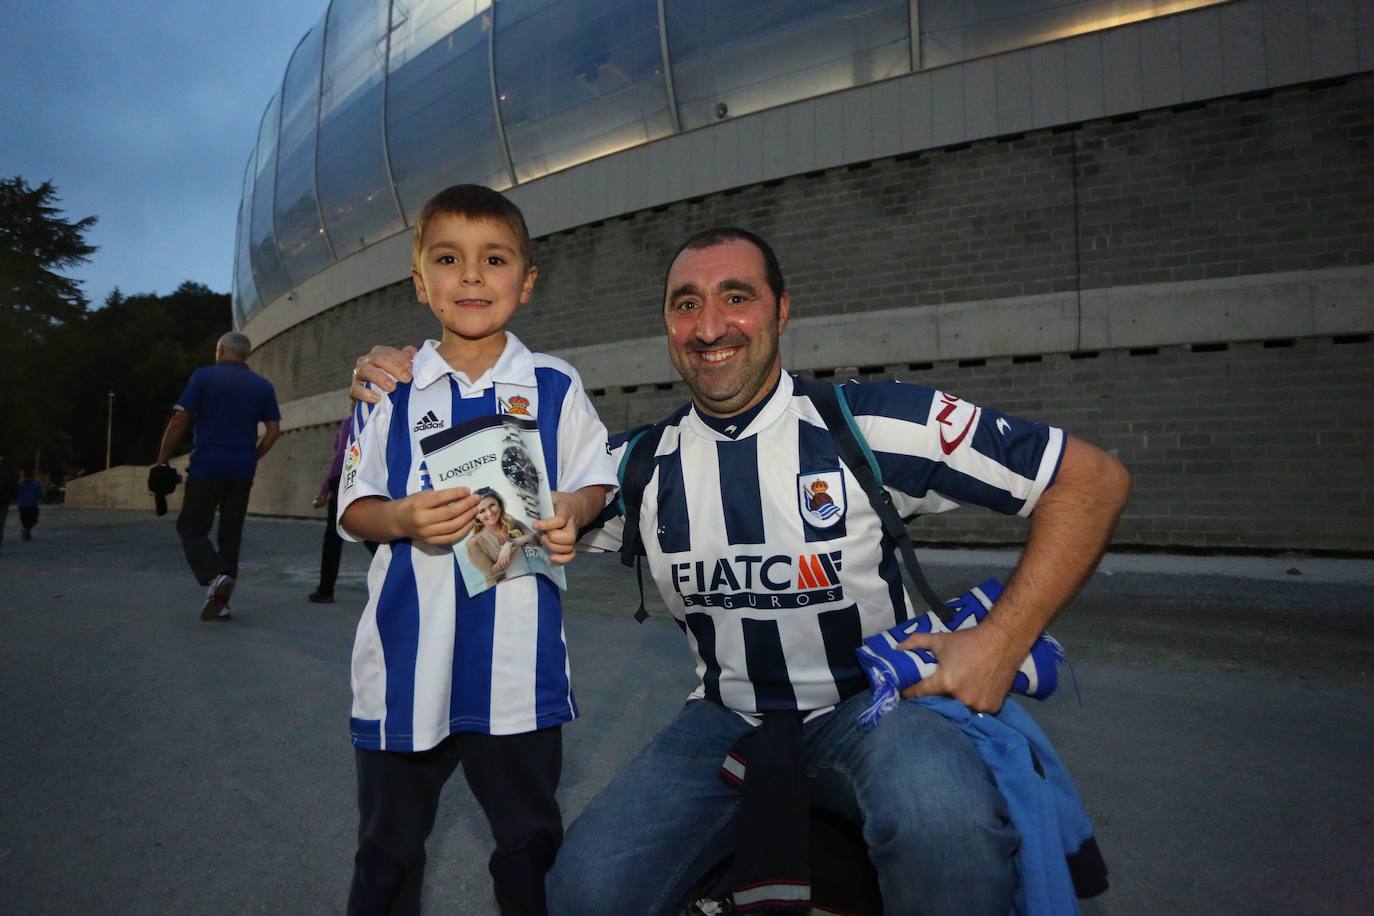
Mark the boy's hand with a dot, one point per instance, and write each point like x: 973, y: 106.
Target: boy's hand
x: 435, y: 516
x: 559, y: 534
x: 382, y: 366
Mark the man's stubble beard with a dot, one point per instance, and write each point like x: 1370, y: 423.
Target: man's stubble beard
x: 755, y: 379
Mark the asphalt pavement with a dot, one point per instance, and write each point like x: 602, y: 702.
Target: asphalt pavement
x: 1219, y: 724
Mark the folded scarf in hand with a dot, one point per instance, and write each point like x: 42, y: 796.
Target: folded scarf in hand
x: 891, y: 670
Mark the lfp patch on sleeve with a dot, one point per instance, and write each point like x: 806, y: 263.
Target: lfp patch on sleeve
x: 821, y: 498
x: 351, y: 459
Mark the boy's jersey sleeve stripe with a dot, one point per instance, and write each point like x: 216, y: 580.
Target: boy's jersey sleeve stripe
x: 365, y: 458
x: 362, y: 413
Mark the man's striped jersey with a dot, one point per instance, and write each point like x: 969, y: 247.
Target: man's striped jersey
x: 428, y: 660
x: 767, y: 551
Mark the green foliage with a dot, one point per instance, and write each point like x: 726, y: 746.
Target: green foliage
x: 59, y: 360
x: 143, y: 348
x: 36, y: 241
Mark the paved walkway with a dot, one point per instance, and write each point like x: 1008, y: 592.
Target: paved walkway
x: 155, y: 764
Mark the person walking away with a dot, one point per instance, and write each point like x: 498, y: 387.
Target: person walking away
x: 224, y: 404
x: 8, y: 491
x: 29, y: 494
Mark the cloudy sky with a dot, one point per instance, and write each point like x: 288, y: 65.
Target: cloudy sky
x: 143, y: 113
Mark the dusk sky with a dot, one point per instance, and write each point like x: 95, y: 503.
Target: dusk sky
x: 143, y: 113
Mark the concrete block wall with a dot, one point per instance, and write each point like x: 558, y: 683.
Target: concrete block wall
x: 1254, y: 445
x: 1277, y: 182
x: 1273, y: 182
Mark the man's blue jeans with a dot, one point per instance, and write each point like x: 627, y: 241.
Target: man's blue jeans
x: 937, y: 829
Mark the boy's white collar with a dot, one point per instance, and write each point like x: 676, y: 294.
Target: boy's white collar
x: 515, y: 366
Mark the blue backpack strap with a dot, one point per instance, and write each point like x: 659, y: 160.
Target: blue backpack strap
x: 854, y: 451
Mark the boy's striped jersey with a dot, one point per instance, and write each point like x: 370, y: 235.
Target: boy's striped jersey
x: 765, y: 547
x: 427, y: 659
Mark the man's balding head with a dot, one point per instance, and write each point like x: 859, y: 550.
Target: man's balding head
x: 233, y: 345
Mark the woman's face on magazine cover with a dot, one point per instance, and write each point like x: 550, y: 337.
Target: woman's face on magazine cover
x: 489, y: 512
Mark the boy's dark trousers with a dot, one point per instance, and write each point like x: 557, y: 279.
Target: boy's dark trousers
x: 199, y: 502
x: 28, y: 517
x: 513, y: 777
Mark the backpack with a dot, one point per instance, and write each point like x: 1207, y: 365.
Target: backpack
x: 637, y: 467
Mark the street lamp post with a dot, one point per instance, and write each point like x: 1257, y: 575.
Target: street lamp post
x: 109, y: 429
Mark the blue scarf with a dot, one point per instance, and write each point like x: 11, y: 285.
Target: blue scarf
x: 891, y: 670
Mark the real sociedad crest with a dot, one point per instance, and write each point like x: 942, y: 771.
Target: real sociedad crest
x: 821, y: 498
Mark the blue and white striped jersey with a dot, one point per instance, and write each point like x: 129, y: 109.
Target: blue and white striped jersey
x: 767, y: 551
x: 427, y: 659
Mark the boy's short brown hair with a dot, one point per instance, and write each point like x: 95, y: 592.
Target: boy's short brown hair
x: 472, y: 201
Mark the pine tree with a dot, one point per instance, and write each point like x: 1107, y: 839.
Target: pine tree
x: 36, y: 242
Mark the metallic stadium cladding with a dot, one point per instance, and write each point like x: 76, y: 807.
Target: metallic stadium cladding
x: 382, y: 104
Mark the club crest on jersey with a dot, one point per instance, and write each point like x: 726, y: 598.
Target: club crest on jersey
x: 821, y: 498
x: 516, y: 406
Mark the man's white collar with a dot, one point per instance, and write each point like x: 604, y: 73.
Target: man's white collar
x: 515, y: 366
x: 773, y: 408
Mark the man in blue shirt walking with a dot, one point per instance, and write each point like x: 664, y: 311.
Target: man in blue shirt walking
x: 224, y: 403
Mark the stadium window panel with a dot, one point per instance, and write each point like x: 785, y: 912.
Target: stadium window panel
x: 578, y: 79
x: 354, y: 190
x: 733, y: 58
x: 440, y: 119
x: 956, y: 30
x: 300, y: 234
x: 268, y: 275
x: 245, y: 299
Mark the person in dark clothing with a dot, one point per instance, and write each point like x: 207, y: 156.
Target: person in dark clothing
x: 332, y: 548
x: 29, y: 494
x: 225, y: 403
x: 7, y: 493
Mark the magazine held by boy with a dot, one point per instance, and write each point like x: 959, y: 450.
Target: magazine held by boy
x: 501, y: 459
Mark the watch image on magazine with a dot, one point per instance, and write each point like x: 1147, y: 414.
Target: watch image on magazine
x: 501, y: 459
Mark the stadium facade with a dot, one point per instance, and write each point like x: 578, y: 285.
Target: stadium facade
x: 1151, y: 223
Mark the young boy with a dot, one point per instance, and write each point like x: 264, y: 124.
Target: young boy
x: 439, y: 677
x: 30, y: 493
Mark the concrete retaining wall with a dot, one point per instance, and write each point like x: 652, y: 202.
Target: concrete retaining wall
x: 122, y: 487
